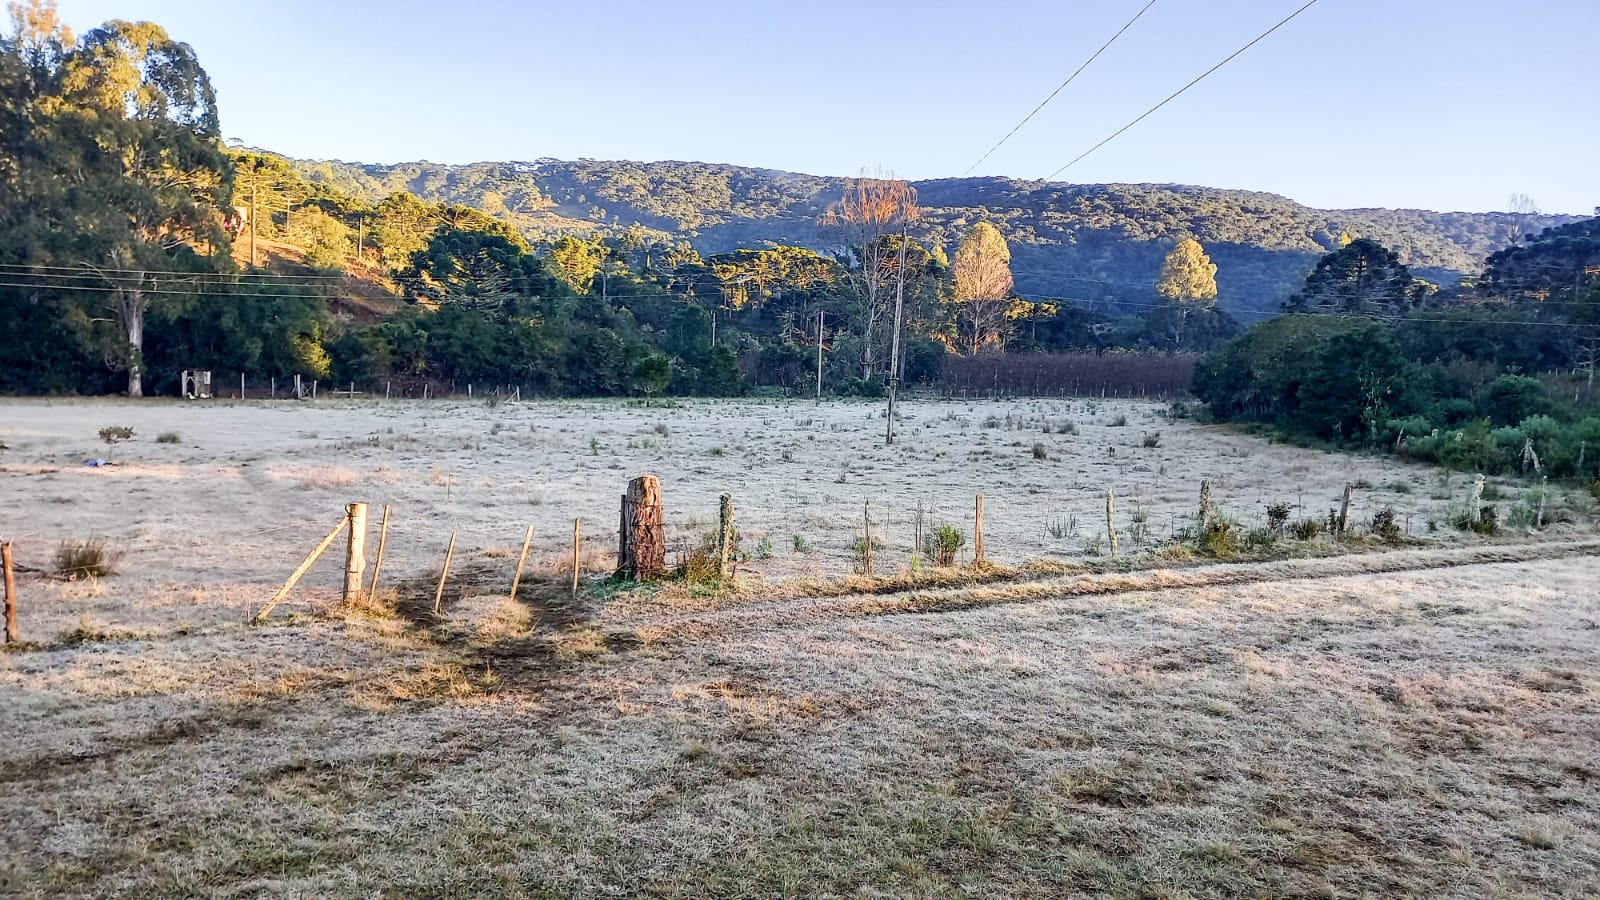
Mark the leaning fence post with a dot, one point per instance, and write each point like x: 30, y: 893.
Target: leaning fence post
x: 444, y: 573
x: 13, y: 634
x: 299, y: 573
x: 1111, y: 519
x: 522, y: 560
x: 725, y: 535
x: 977, y: 533
x: 377, y: 565
x: 355, y: 557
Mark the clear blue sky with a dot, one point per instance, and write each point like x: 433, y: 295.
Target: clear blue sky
x: 1443, y: 104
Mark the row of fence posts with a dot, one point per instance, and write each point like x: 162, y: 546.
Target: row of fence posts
x: 299, y: 391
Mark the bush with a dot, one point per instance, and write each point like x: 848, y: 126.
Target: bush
x: 1277, y: 518
x: 168, y: 437
x: 1385, y: 526
x: 1511, y: 398
x: 85, y: 559
x: 1039, y: 452
x: 1152, y: 440
x: 941, y: 543
x: 1219, y: 538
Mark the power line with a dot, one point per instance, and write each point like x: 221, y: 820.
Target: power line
x: 1175, y: 94
x: 1061, y: 86
x: 89, y: 271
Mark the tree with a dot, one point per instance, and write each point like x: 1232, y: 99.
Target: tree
x: 577, y: 262
x: 123, y: 169
x: 872, y: 210
x: 1363, y: 277
x: 983, y: 285
x: 1188, y: 276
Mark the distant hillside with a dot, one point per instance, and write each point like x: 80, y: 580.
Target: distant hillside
x: 1099, y: 244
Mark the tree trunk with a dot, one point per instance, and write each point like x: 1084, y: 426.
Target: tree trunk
x: 644, y: 543
x: 131, y: 310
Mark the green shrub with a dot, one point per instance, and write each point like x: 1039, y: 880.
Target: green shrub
x: 1219, y: 538
x: 941, y: 543
x: 801, y: 545
x: 1512, y: 398
x: 1277, y: 518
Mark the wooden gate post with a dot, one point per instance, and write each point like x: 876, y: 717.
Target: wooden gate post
x: 643, y: 553
x: 355, y: 558
x: 13, y: 634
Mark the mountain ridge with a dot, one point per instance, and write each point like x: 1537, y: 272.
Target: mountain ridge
x: 1097, y: 244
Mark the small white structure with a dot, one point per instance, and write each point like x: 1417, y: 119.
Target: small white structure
x: 197, y: 384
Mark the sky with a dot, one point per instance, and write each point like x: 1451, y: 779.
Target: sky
x: 1436, y: 104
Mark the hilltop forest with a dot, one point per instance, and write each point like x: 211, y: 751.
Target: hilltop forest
x: 134, y: 243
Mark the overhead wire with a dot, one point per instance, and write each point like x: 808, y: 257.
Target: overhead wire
x: 1060, y: 87
x: 1201, y: 77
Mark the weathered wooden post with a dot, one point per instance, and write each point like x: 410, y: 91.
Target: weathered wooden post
x: 725, y: 536
x: 1544, y: 492
x: 643, y: 553
x: 13, y: 634
x: 1344, y: 509
x: 355, y: 557
x: 1206, y: 509
x: 1475, y: 504
x: 1111, y: 519
x: 377, y: 565
x: 522, y: 560
x: 577, y: 554
x: 977, y: 533
x: 444, y: 573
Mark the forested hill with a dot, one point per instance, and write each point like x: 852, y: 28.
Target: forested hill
x: 1098, y: 244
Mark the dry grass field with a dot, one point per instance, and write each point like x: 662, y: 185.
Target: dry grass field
x: 1417, y: 722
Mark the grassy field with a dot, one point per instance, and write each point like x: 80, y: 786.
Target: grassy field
x: 1420, y: 722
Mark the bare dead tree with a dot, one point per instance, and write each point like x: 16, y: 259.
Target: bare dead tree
x: 873, y: 210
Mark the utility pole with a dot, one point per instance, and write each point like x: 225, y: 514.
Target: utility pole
x: 255, y: 176
x: 894, y: 339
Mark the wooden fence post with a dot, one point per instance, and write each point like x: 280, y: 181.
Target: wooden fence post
x: 1206, y: 509
x: 725, y: 535
x: 355, y: 557
x: 1344, y: 509
x: 522, y: 560
x: 449, y: 554
x: 643, y: 553
x: 577, y: 553
x: 1111, y: 519
x: 977, y: 533
x: 13, y: 634
x: 377, y: 565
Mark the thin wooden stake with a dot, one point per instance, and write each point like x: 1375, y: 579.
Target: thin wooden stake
x: 522, y: 560
x: 13, y: 634
x: 377, y: 566
x: 444, y: 573
x: 866, y: 518
x: 577, y: 553
x: 724, y: 535
x: 977, y: 533
x: 300, y: 572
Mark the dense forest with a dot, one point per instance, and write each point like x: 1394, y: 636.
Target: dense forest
x: 135, y: 244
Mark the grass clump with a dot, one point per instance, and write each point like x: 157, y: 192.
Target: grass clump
x: 1152, y: 440
x: 1218, y: 537
x: 941, y: 543
x: 169, y: 437
x: 1040, y: 452
x: 1278, y: 518
x: 1307, y: 529
x: 1384, y: 525
x: 1120, y: 421
x: 801, y: 545
x: 93, y: 558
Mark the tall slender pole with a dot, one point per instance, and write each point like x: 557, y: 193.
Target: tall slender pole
x: 820, y: 314
x: 444, y: 573
x: 255, y: 176
x: 383, y: 543
x: 522, y: 560
x: 577, y: 553
x: 894, y: 339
